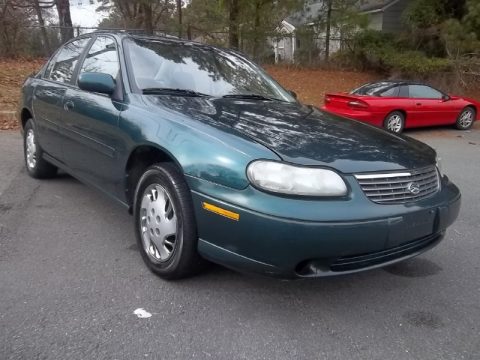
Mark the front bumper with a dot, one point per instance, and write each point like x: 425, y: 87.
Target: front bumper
x: 320, y: 238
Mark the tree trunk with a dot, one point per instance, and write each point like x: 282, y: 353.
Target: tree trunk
x: 327, y: 32
x: 148, y: 17
x: 46, y: 40
x: 179, y: 13
x: 64, y: 19
x: 233, y: 24
x: 256, y: 26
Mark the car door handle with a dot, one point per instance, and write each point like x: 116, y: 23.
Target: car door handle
x: 49, y: 93
x: 68, y: 105
x: 418, y: 104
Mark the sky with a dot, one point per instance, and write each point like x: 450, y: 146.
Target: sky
x: 83, y: 13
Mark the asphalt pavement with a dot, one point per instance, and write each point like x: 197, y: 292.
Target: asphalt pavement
x: 71, y: 278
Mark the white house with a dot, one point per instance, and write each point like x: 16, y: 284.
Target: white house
x: 383, y: 15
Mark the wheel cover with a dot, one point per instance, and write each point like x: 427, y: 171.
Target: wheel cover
x: 158, y: 223
x: 394, y: 123
x: 466, y: 118
x: 31, y: 149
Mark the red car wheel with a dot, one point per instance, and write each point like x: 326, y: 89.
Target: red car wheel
x: 466, y: 118
x: 394, y: 122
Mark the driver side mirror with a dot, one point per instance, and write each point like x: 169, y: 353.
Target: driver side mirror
x: 445, y: 98
x: 293, y: 93
x: 97, y: 82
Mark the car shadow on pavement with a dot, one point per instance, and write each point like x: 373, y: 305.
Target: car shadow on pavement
x: 447, y: 131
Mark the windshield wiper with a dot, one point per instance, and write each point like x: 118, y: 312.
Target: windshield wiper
x: 171, y: 91
x: 250, y: 96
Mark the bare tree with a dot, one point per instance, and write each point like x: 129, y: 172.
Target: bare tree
x: 328, y: 29
x: 146, y: 14
x: 146, y: 9
x: 64, y: 19
x: 41, y: 22
x: 179, y: 14
x: 63, y: 12
x: 233, y: 15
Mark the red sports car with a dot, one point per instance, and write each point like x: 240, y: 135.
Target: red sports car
x: 395, y: 105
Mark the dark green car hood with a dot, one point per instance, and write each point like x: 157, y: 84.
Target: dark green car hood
x: 304, y: 135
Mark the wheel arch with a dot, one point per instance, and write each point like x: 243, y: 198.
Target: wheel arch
x: 140, y: 158
x: 25, y: 115
x: 404, y: 113
x: 474, y: 107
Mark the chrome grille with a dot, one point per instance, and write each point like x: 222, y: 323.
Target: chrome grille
x: 400, y: 187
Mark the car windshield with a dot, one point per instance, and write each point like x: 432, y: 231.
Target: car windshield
x: 168, y: 65
x: 372, y: 89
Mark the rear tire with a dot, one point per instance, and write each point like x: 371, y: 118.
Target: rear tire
x: 466, y: 118
x: 37, y: 166
x: 165, y: 225
x: 394, y: 122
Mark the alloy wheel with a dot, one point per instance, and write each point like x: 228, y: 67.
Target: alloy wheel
x: 394, y: 123
x: 466, y: 118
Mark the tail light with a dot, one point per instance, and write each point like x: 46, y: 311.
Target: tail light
x: 357, y: 104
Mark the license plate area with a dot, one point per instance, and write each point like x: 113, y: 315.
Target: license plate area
x: 411, y: 227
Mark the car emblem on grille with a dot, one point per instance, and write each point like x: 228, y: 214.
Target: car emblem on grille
x: 414, y: 188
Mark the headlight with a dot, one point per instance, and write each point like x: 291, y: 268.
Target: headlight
x: 292, y: 180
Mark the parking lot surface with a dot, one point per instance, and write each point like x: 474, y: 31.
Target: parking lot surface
x: 71, y: 278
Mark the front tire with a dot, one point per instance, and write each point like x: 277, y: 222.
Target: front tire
x: 37, y: 166
x: 466, y: 118
x: 394, y: 122
x: 165, y: 224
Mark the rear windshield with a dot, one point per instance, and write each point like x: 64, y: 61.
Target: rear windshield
x: 373, y: 89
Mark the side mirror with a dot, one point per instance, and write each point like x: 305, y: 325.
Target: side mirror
x: 445, y: 98
x: 293, y: 93
x: 97, y: 82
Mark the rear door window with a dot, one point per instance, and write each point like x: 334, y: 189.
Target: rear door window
x: 403, y: 91
x: 392, y: 92
x: 62, y: 67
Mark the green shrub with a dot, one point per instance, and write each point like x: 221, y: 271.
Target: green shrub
x: 416, y: 64
x: 377, y: 51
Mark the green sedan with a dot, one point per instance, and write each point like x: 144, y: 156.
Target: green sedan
x: 217, y: 162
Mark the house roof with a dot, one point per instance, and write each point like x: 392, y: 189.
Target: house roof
x: 315, y: 9
x: 308, y: 14
x: 374, y: 5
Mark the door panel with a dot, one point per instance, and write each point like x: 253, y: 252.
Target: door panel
x: 47, y: 104
x: 92, y: 122
x: 49, y: 96
x: 432, y: 112
x: 429, y: 108
x: 90, y: 147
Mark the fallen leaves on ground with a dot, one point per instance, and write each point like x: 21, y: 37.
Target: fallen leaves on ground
x: 12, y: 75
x: 309, y: 84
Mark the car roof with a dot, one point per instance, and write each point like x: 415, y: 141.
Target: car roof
x: 397, y: 82
x: 140, y: 35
